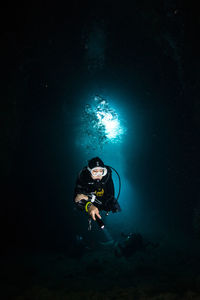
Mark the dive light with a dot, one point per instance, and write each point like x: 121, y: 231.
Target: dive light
x: 99, y: 222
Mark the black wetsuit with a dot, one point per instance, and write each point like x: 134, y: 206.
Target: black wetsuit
x: 103, y: 190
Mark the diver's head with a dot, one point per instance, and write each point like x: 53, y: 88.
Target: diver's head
x: 96, y: 168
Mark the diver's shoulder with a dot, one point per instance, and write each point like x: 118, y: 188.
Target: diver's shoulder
x: 83, y: 174
x: 109, y: 170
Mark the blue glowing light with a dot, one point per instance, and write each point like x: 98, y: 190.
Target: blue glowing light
x: 100, y: 125
x: 112, y: 125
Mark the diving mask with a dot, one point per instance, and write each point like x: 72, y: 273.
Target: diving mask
x: 98, y: 171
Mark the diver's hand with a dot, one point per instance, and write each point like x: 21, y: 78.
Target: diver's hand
x: 79, y: 197
x: 93, y: 210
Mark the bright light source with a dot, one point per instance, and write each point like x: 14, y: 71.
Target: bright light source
x: 100, y: 124
x: 112, y: 126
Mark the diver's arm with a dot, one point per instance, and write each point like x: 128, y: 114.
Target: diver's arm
x: 80, y: 200
x: 80, y: 197
x: 83, y: 203
x: 86, y: 205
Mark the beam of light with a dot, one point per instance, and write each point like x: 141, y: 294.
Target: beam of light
x: 107, y: 234
x: 112, y: 125
x: 100, y: 125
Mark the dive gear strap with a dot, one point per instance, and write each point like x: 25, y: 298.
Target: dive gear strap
x: 89, y: 223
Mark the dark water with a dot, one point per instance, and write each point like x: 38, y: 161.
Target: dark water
x: 143, y: 59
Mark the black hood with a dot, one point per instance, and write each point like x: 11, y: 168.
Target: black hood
x: 95, y: 162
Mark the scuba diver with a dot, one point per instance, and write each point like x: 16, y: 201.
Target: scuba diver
x: 94, y: 190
